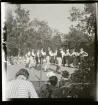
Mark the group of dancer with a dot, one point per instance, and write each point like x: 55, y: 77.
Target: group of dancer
x: 59, y: 57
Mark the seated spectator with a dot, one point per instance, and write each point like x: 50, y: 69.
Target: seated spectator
x: 20, y: 87
x: 50, y: 73
x: 64, y: 79
x: 48, y: 88
x: 64, y: 86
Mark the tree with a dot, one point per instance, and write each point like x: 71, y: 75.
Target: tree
x: 11, y: 40
x: 16, y: 26
x: 86, y: 19
x: 43, y: 33
x: 77, y: 39
x: 22, y: 20
x: 85, y: 23
x: 83, y: 35
x: 56, y: 41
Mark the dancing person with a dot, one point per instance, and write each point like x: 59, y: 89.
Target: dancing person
x: 63, y: 57
x: 40, y: 57
x: 54, y: 56
x: 27, y: 59
x: 33, y: 54
x: 74, y: 58
x: 51, y: 56
x: 71, y: 58
x: 32, y: 59
x: 77, y: 59
x: 59, y: 60
x: 43, y: 55
x: 67, y: 58
x: 82, y: 54
x: 37, y: 58
x: 21, y: 87
x: 47, y: 60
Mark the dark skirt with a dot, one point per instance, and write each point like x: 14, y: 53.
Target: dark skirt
x: 74, y: 60
x: 52, y: 59
x: 64, y: 60
x: 68, y: 60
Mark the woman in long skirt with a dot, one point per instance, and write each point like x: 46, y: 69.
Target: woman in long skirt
x: 27, y: 59
x: 74, y: 58
x: 37, y: 58
x: 32, y: 59
x: 47, y: 60
x: 63, y: 57
x: 59, y: 60
x: 67, y: 57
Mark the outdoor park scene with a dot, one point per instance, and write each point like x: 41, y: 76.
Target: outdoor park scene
x: 42, y: 48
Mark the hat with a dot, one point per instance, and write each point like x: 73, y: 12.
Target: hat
x: 50, y: 74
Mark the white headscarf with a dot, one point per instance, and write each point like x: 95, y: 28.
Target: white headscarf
x: 50, y: 74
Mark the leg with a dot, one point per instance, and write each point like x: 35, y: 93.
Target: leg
x: 45, y: 68
x: 59, y: 64
x: 36, y: 62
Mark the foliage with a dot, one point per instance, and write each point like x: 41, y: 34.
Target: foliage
x: 86, y: 19
x: 23, y: 34
x: 85, y: 74
x: 77, y: 39
x: 82, y: 36
x: 56, y: 40
x: 74, y: 91
x: 83, y: 33
x: 81, y: 83
x: 15, y: 29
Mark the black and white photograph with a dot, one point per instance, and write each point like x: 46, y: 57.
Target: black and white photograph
x: 50, y: 51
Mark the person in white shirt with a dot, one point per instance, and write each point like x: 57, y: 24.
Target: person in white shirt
x: 20, y: 87
x: 63, y: 53
x: 37, y: 58
x: 59, y: 60
x: 28, y: 59
x: 67, y: 57
x: 55, y: 56
x: 32, y: 53
x: 52, y: 56
x: 32, y: 59
x: 43, y: 55
x: 77, y: 59
x: 63, y: 57
x: 48, y: 53
x: 74, y: 58
x: 82, y: 54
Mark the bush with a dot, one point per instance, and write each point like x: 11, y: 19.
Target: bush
x: 81, y: 82
x: 85, y: 72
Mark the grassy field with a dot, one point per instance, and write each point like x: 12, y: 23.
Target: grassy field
x: 34, y: 74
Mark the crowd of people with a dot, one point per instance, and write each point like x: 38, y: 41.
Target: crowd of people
x: 59, y: 57
x: 21, y: 87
